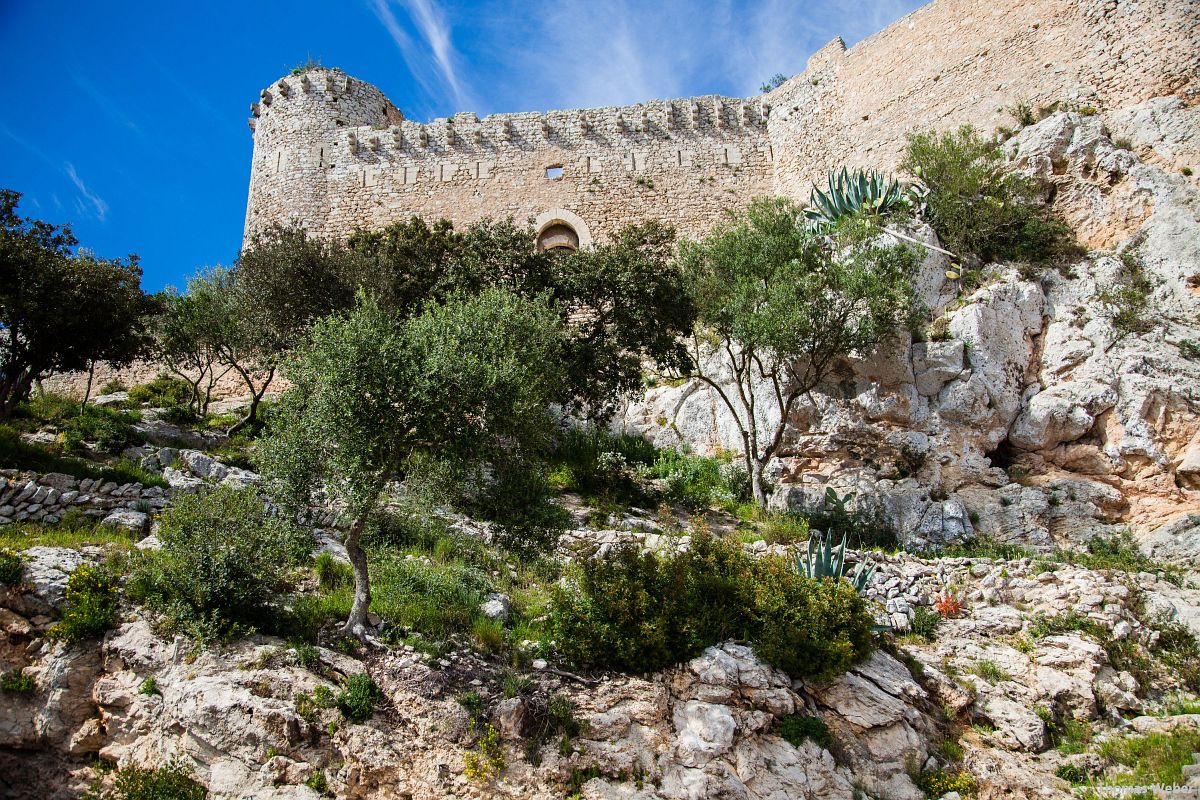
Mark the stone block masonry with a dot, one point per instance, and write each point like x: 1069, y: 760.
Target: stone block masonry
x: 333, y: 154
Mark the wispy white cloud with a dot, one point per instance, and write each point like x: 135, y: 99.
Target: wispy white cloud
x: 578, y: 53
x: 110, y: 107
x: 97, y: 202
x: 432, y: 60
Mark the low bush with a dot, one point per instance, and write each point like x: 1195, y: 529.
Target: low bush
x: 164, y: 391
x: 15, y: 453
x: 223, y: 560
x: 487, y: 762
x: 862, y: 527
x: 799, y: 728
x: 977, y: 205
x: 170, y: 782
x: 640, y: 612
x: 111, y: 431
x: 435, y: 599
x: 699, y: 482
x: 91, y: 607
x: 17, y: 682
x: 1126, y: 299
x: 937, y: 782
x: 11, y: 568
x: 925, y: 623
x: 1152, y: 758
x: 809, y: 628
x: 358, y: 700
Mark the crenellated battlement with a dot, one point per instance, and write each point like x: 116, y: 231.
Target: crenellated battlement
x: 332, y: 153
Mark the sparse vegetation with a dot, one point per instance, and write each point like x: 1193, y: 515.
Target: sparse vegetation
x: 978, y: 206
x: 11, y: 568
x: 640, y: 611
x: 172, y: 781
x: 358, y: 700
x: 92, y: 603
x: 799, y: 728
x: 1150, y: 759
x: 17, y: 682
x: 1126, y: 299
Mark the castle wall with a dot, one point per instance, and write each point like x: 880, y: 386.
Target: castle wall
x: 333, y: 154
x: 685, y: 161
x: 956, y: 62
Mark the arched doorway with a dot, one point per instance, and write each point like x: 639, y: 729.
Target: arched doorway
x: 558, y: 238
x: 559, y: 230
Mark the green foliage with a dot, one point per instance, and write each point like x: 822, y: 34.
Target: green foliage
x: 487, y: 761
x: 309, y: 706
x: 852, y: 193
x: 937, y: 782
x: 164, y: 391
x: 1150, y: 759
x: 989, y: 671
x: 824, y: 560
x: 15, y: 453
x: 977, y: 206
x: 172, y: 781
x: 11, y: 568
x: 92, y: 605
x: 61, y: 310
x: 808, y: 628
x: 773, y: 83
x: 18, y: 682
x: 700, y: 482
x: 331, y: 573
x: 473, y: 703
x: 463, y: 383
x: 925, y: 623
x: 307, y: 655
x: 317, y: 782
x: 111, y: 431
x: 1022, y: 112
x: 149, y: 687
x: 1127, y: 299
x: 223, y: 559
x: 625, y: 297
x: 798, y: 728
x: 781, y: 304
x: 436, y: 599
x: 358, y: 700
x: 641, y: 612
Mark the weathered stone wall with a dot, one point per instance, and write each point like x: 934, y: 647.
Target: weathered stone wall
x: 333, y: 153
x: 956, y: 62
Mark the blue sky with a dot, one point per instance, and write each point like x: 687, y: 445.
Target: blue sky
x: 128, y: 120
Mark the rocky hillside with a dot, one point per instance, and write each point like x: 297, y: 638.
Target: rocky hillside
x: 1040, y: 409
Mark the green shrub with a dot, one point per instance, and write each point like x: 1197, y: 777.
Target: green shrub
x: 700, y: 482
x: 798, y: 728
x: 18, y: 682
x: 112, y: 386
x: 1127, y: 299
x: 111, y: 431
x: 149, y: 687
x: 317, y: 782
x: 979, y: 207
x: 989, y: 671
x: 487, y: 762
x: 223, y: 559
x: 641, y: 612
x: 11, y: 568
x: 809, y: 629
x: 1153, y: 758
x: 164, y: 391
x: 937, y: 782
x: 436, y: 599
x: 170, y: 782
x: 925, y: 623
x: 92, y: 603
x: 307, y: 656
x: 331, y: 573
x: 358, y: 700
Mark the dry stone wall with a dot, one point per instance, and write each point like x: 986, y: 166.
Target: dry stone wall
x: 333, y: 154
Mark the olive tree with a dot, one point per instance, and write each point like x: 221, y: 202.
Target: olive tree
x: 373, y: 395
x: 61, y: 310
x: 622, y: 302
x: 184, y: 345
x: 778, y: 305
x: 234, y: 334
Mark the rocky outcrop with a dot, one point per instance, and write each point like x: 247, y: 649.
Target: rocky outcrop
x: 1028, y: 417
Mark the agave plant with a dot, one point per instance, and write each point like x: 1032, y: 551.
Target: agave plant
x: 849, y: 193
x: 825, y: 560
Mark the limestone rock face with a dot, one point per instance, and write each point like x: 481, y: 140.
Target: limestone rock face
x: 1030, y: 418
